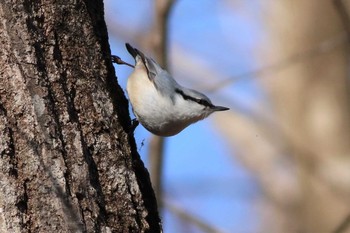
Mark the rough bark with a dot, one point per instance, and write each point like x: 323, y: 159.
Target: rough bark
x: 67, y: 162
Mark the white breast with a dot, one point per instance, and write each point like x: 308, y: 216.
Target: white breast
x: 157, y: 112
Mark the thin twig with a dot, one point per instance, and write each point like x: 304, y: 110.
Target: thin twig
x: 343, y: 226
x: 344, y: 15
x: 184, y: 215
x: 319, y: 49
x: 345, y: 18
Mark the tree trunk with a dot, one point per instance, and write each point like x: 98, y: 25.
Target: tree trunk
x: 67, y: 161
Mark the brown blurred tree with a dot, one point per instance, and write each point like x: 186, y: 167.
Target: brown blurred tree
x: 309, y: 93
x: 300, y: 152
x: 311, y: 99
x: 67, y: 161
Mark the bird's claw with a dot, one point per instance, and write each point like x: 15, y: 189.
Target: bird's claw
x: 119, y: 61
x: 134, y: 124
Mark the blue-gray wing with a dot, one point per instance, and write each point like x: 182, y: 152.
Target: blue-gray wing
x: 162, y: 80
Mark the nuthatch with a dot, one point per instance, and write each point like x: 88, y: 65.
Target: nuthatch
x: 159, y: 103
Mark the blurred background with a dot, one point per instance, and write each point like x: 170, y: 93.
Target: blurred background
x: 279, y: 160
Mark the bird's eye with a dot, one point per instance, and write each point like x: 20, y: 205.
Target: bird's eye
x: 202, y: 102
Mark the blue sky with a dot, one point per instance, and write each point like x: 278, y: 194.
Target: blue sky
x: 201, y: 174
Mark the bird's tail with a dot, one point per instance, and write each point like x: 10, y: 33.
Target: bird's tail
x: 134, y: 51
x: 151, y: 66
x: 131, y: 50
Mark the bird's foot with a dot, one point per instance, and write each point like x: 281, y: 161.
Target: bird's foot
x: 119, y: 61
x: 134, y: 124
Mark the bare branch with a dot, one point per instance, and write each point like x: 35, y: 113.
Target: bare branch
x: 344, y: 15
x: 319, y: 49
x: 184, y: 215
x: 344, y: 225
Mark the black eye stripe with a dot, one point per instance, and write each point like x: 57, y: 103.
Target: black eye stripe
x: 199, y: 101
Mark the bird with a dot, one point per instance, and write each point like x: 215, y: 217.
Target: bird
x: 160, y: 104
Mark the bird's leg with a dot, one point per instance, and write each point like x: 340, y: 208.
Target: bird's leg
x: 119, y: 61
x: 134, y: 124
